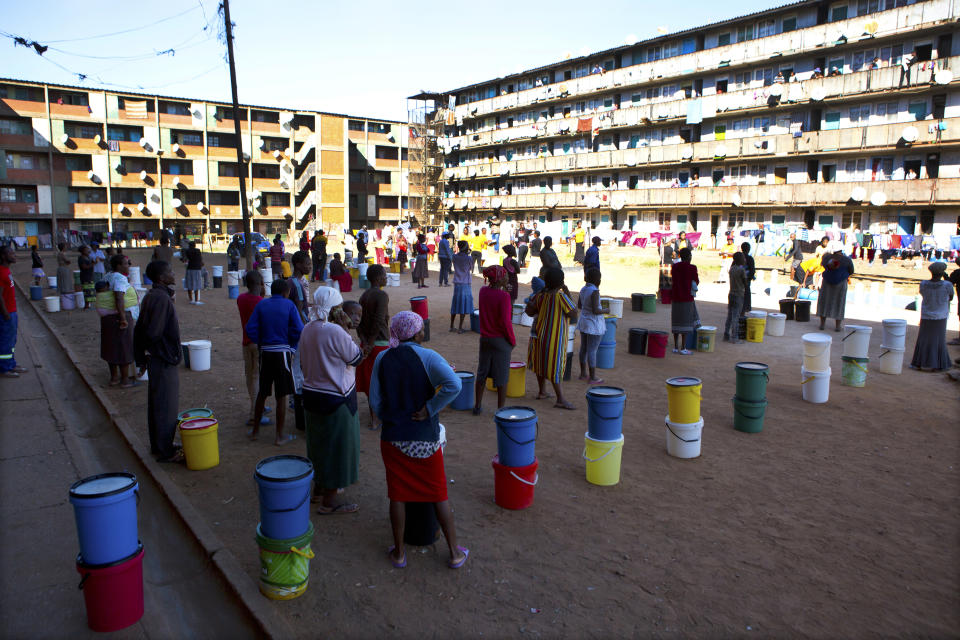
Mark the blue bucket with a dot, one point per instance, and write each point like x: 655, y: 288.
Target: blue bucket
x: 233, y: 291
x: 605, y: 412
x: 464, y: 401
x: 284, y: 483
x: 605, y: 355
x: 516, y: 436
x: 36, y: 292
x: 611, y: 331
x: 105, y: 508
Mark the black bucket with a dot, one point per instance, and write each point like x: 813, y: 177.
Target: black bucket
x: 637, y: 341
x: 420, y: 526
x: 802, y: 313
x: 787, y: 307
x: 636, y: 301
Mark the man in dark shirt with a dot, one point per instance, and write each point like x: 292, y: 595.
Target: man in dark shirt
x: 535, y: 245
x: 751, y: 269
x: 591, y: 259
x: 548, y: 257
x: 795, y: 256
x: 156, y: 350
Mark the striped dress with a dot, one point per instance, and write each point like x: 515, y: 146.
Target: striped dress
x: 547, y: 353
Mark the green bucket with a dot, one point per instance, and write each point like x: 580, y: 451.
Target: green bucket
x: 649, y: 302
x: 854, y: 371
x: 76, y: 278
x: 748, y: 416
x: 752, y: 378
x: 284, y: 565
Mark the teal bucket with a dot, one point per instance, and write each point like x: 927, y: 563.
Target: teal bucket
x: 748, y: 416
x: 854, y: 371
x: 752, y: 378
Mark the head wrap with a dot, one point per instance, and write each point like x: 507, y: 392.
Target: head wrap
x: 404, y: 326
x: 495, y: 273
x: 325, y: 299
x: 938, y: 268
x: 537, y: 284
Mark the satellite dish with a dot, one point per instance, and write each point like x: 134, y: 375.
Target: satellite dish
x: 497, y: 203
x: 121, y: 207
x: 943, y: 76
x: 143, y: 175
x: 878, y: 198
x: 201, y: 205
x: 118, y: 164
x: 175, y: 148
x: 176, y: 182
x: 776, y: 90
x: 97, y: 139
x: 177, y: 203
x: 910, y: 134
x: 687, y: 153
x: 720, y: 151
x: 91, y: 175
x: 818, y: 94
x: 64, y: 138
x: 276, y: 153
x: 735, y: 200
x: 858, y: 194
x: 144, y: 143
x: 141, y: 207
x: 871, y: 27
x: 263, y: 143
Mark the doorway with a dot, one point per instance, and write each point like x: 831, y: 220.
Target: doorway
x: 933, y: 166
x: 809, y: 218
x: 779, y: 175
x: 812, y: 166
x: 906, y: 225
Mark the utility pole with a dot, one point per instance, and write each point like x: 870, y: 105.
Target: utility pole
x: 241, y: 165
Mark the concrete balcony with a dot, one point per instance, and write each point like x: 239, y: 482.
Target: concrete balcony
x: 176, y: 121
x: 16, y: 142
x: 225, y: 211
x: 27, y: 176
x: 27, y: 108
x: 19, y: 208
x: 186, y: 181
x: 269, y: 128
x: 89, y: 210
x: 221, y: 153
x: 133, y: 180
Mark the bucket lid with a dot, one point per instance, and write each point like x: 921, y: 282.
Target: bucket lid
x: 517, y: 364
x: 817, y: 374
x: 657, y: 333
x: 102, y: 485
x: 199, y: 412
x: 519, y: 306
x: 417, y: 298
x: 638, y: 330
x: 515, y: 414
x: 284, y: 468
x: 464, y: 374
x: 610, y: 318
x: 283, y: 546
x: 753, y: 366
x: 777, y: 314
x: 606, y: 392
x: 756, y: 314
x: 197, y: 423
x: 707, y: 328
x: 858, y: 328
x: 803, y: 302
x: 586, y: 435
x: 199, y: 344
x: 817, y: 338
x: 683, y: 381
x: 895, y: 322
x: 530, y: 468
x: 83, y: 566
x: 684, y: 425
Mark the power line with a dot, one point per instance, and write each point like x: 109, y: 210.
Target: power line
x: 117, y: 33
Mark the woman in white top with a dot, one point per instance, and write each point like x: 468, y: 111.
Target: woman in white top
x: 590, y: 324
x: 930, y: 352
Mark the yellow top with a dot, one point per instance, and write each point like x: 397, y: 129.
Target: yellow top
x: 477, y: 243
x: 579, y: 234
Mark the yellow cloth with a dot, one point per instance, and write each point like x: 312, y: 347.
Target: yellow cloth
x: 105, y: 300
x: 477, y: 243
x: 811, y: 265
x: 579, y: 234
x: 728, y: 249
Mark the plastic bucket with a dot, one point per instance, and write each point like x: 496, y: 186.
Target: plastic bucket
x: 683, y: 399
x: 606, y: 354
x: 284, y: 487
x: 690, y: 340
x: 200, y: 355
x: 657, y: 344
x: 605, y: 412
x: 363, y: 283
x: 105, y: 509
x: 513, y: 486
x: 610, y: 333
x: 233, y: 279
x: 52, y: 303
x: 890, y: 360
x: 36, y: 292
x: 76, y: 276
x: 393, y: 279
x: 517, y: 315
x: 516, y: 383
x: 752, y: 378
x: 185, y: 347
x: 894, y: 334
x: 571, y: 337
x: 267, y: 275
x: 776, y: 324
x: 475, y: 321
x: 418, y: 304
x: 284, y: 564
x: 636, y: 302
x: 649, y: 302
x: 362, y: 268
x: 603, y: 459
x: 683, y: 439
x: 706, y: 338
x: 637, y: 341
x: 666, y: 296
x: 854, y: 371
x: 856, y: 341
x: 200, y: 446
x: 52, y: 282
x: 815, y: 385
x: 816, y: 351
x: 79, y: 301
x: 748, y: 416
x: 193, y: 414
x: 525, y: 320
x: 68, y: 302
x: 464, y: 400
x: 113, y: 592
x: 755, y: 329
x: 516, y: 436
x: 420, y: 525
x: 787, y: 307
x: 233, y: 292
x: 802, y: 311
x: 614, y: 306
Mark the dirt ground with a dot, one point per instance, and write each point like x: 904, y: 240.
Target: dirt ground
x: 838, y: 520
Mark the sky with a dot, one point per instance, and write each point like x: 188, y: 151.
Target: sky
x: 359, y: 58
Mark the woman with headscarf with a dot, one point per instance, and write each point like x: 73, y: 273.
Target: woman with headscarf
x: 832, y: 299
x: 496, y: 335
x: 930, y: 352
x: 409, y: 387
x: 553, y: 311
x: 328, y: 357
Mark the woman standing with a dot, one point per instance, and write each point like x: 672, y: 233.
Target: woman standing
x: 496, y: 335
x: 328, y: 356
x: 64, y: 274
x: 194, y: 278
x: 420, y: 268
x: 930, y: 353
x: 116, y: 325
x: 85, y: 262
x: 374, y: 332
x: 832, y: 299
x: 553, y: 311
x: 591, y: 325
x: 683, y: 314
x: 409, y: 387
x: 462, y: 302
x: 513, y: 268
x: 37, y: 266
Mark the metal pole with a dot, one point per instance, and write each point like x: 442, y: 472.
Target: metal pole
x: 247, y: 244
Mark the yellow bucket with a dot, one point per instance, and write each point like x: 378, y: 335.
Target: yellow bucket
x: 683, y: 399
x: 200, y: 446
x: 603, y: 460
x: 394, y: 267
x: 755, y: 329
x: 516, y: 383
x: 354, y: 273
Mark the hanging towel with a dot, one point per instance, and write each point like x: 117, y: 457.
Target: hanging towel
x: 585, y: 125
x: 136, y: 109
x: 695, y: 111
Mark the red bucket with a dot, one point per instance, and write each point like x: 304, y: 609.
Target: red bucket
x: 666, y: 296
x: 418, y: 305
x: 113, y: 593
x: 657, y: 344
x: 513, y: 486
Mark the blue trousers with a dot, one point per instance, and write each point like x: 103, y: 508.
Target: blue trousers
x: 8, y: 341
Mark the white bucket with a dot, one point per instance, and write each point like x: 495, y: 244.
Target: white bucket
x: 614, y: 306
x: 527, y: 321
x: 267, y: 275
x: 52, y: 282
x: 815, y: 385
x: 683, y: 439
x: 134, y: 277
x: 890, y: 360
x: 233, y: 278
x: 571, y: 334
x: 755, y: 314
x: 393, y: 279
x: 217, y: 271
x: 363, y: 266
x: 816, y: 351
x: 776, y: 324
x: 856, y: 341
x: 199, y: 355
x: 68, y: 302
x: 894, y: 334
x: 53, y: 303
x: 517, y: 313
x: 78, y: 300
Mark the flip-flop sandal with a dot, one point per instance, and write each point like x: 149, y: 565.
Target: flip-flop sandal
x: 567, y: 406
x: 113, y: 383
x: 252, y: 435
x: 543, y: 396
x: 397, y: 565
x: 457, y: 565
x: 177, y: 458
x: 130, y: 385
x: 286, y: 439
x: 341, y: 509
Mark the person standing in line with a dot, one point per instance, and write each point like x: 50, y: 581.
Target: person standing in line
x: 162, y: 252
x: 300, y: 295
x: 513, y: 270
x: 683, y: 312
x: 552, y: 310
x: 591, y: 259
x: 194, y: 279
x: 36, y: 266
x: 304, y: 244
x: 157, y: 352
x: 579, y: 235
x: 832, y: 299
x: 100, y: 260
x: 431, y: 244
x: 536, y: 244
x: 116, y: 326
x: 591, y: 325
x: 523, y: 240
x: 233, y: 255
x: 548, y: 257
x: 275, y: 326
x: 462, y: 301
x: 445, y: 255
x: 276, y: 257
x: 85, y: 263
x: 955, y: 280
x: 477, y: 245
x: 422, y: 253
x: 318, y: 248
x: 930, y: 352
x: 409, y: 386
x: 246, y: 302
x: 374, y: 331
x: 495, y: 234
x: 361, y: 245
x: 8, y: 315
x: 496, y: 336
x: 738, y: 282
x: 64, y: 274
x: 750, y: 266
x: 795, y: 256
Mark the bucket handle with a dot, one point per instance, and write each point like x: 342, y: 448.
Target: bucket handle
x: 737, y: 409
x: 309, y: 555
x: 862, y: 368
x: 848, y: 335
x: 609, y: 451
x: 536, y: 479
x: 808, y: 380
x: 678, y: 437
x: 83, y: 580
x: 885, y: 352
x: 510, y: 438
x: 305, y: 496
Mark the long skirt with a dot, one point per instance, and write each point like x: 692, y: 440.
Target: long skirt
x: 462, y: 301
x: 413, y: 479
x: 579, y: 253
x: 65, y: 280
x: 684, y: 317
x: 547, y: 356
x: 420, y: 268
x: 116, y: 344
x: 931, y: 349
x: 333, y: 446
x: 365, y: 368
x: 832, y: 300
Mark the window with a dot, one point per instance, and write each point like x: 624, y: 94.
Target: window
x: 191, y: 138
x: 174, y: 108
x: 355, y: 125
x: 226, y: 198
x: 789, y: 24
x: 838, y: 13
x: 918, y: 110
x: 276, y: 199
x: 80, y: 130
x: 25, y: 161
x: 860, y: 115
x: 378, y: 127
x: 275, y: 144
x: 265, y: 116
x: 387, y: 153
x: 221, y: 140
x: 18, y: 194
x: 69, y: 97
x: 124, y: 134
x: 77, y: 163
x: 226, y: 113
x: 15, y: 127
x: 881, y: 168
x: 851, y: 220
x: 723, y: 39
x: 745, y: 33
x: 228, y: 170
x: 13, y: 92
x: 266, y: 171
x: 177, y: 167
x: 855, y: 170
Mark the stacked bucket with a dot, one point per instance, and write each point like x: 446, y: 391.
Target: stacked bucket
x: 420, y: 306
x: 515, y: 465
x: 892, y: 346
x: 285, y: 530
x: 607, y: 350
x: 856, y: 355
x: 815, y: 372
x: 516, y: 383
x: 198, y: 433
x: 756, y: 324
x: 110, y: 561
x: 684, y: 422
x: 603, y: 441
x: 233, y: 285
x: 750, y: 401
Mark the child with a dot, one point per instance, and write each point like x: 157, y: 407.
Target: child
x: 496, y: 335
x: 38, y: 274
x: 590, y: 324
x: 251, y: 355
x: 353, y: 313
x: 738, y: 284
x: 462, y: 302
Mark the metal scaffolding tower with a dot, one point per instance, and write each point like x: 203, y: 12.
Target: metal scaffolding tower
x: 427, y: 116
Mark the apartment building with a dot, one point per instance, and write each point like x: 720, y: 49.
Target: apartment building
x: 104, y: 161
x: 799, y: 115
